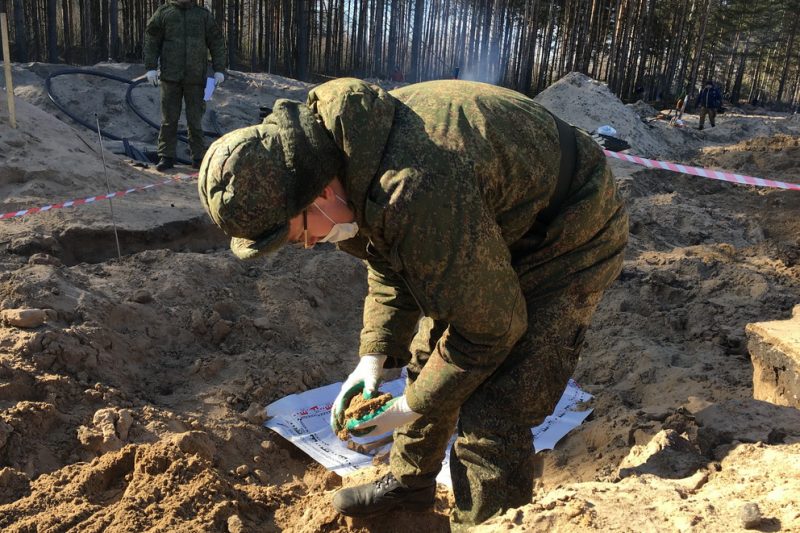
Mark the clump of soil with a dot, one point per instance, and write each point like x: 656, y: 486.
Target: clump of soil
x: 360, y: 407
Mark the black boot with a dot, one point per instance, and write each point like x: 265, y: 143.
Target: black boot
x: 700, y: 127
x: 165, y: 163
x: 383, y: 495
x: 196, y: 163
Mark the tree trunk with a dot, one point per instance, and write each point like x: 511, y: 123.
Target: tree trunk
x: 701, y: 42
x: 52, y: 31
x: 416, y: 43
x: 20, y: 32
x: 787, y: 58
x: 113, y: 28
x: 391, y: 49
x: 737, y: 85
x: 232, y: 37
x: 66, y: 9
x: 541, y: 82
x: 302, y: 40
x: 377, y: 40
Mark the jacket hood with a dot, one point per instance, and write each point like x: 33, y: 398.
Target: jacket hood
x: 254, y: 180
x: 360, y: 117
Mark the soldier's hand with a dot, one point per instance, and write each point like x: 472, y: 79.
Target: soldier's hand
x: 394, y: 414
x: 152, y: 77
x: 219, y: 77
x: 366, y: 377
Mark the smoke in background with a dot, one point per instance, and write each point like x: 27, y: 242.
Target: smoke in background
x: 486, y: 70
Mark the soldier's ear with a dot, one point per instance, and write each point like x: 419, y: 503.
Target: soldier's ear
x: 327, y: 193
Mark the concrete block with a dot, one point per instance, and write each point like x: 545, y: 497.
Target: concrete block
x: 775, y: 351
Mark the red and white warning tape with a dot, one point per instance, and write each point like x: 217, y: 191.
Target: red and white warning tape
x: 650, y: 163
x: 704, y: 172
x: 91, y: 199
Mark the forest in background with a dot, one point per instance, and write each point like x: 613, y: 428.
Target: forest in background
x: 643, y: 49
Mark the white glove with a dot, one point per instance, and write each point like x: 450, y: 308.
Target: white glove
x: 394, y: 414
x: 152, y: 77
x: 365, y: 377
x: 219, y: 77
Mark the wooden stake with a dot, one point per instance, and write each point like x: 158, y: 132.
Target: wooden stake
x: 12, y: 114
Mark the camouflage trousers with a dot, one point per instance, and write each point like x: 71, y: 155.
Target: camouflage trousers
x: 492, y: 459
x: 173, y: 94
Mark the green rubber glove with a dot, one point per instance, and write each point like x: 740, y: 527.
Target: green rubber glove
x: 366, y: 376
x: 389, y: 416
x: 342, y: 401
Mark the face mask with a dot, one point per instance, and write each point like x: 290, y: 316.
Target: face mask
x: 341, y: 231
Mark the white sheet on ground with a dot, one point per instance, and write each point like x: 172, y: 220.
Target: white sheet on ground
x: 304, y: 418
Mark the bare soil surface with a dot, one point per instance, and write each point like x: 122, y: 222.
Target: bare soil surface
x: 135, y: 402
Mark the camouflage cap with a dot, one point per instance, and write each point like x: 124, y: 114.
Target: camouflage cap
x: 254, y: 180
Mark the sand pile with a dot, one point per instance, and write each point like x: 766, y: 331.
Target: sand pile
x: 643, y: 109
x: 589, y: 104
x: 701, y: 502
x: 36, y: 167
x: 137, y: 404
x: 763, y: 157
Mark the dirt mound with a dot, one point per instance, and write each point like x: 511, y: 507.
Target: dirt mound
x: 763, y: 157
x: 589, y: 104
x: 29, y: 170
x: 643, y: 109
x: 713, y: 501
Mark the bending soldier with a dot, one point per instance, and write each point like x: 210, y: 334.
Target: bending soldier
x: 490, y: 230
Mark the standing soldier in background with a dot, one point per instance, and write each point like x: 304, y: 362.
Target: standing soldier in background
x: 179, y: 34
x: 709, y: 100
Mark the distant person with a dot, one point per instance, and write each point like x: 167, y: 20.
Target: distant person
x: 709, y: 100
x: 397, y: 75
x: 180, y: 34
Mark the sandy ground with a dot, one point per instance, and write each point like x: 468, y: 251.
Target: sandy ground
x: 135, y: 401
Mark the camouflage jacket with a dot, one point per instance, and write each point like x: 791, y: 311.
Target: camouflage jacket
x: 444, y: 178
x: 181, y: 37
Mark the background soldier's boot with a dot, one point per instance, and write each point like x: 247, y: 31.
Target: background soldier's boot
x: 196, y: 163
x: 384, y: 495
x: 165, y: 163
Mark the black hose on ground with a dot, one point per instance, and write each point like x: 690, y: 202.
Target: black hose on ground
x: 128, y: 99
x: 63, y: 108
